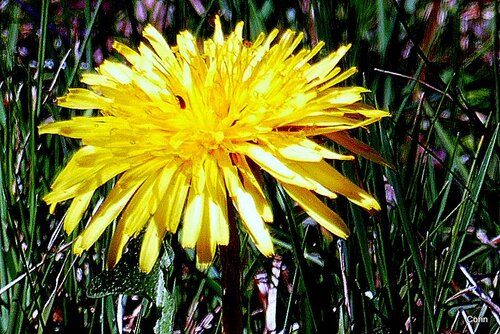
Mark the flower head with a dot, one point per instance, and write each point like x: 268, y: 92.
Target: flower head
x: 190, y: 129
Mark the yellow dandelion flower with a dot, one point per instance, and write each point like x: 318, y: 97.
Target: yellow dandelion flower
x: 183, y: 128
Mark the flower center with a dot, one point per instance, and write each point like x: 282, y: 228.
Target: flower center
x: 211, y: 140
x: 218, y: 137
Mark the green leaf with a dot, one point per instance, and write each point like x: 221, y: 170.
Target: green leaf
x: 166, y: 305
x: 126, y: 278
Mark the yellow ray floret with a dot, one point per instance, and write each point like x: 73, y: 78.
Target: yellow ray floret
x: 188, y: 132
x: 318, y: 210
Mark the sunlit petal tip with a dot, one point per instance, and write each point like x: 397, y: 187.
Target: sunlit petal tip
x: 202, y: 266
x: 344, y: 48
x: 151, y: 246
x: 151, y: 32
x: 80, y: 98
x: 239, y: 30
x: 52, y: 208
x: 118, y: 45
x: 147, y: 260
x: 78, y: 249
x: 345, y: 235
x: 192, y: 220
x: 149, y: 27
x: 116, y: 248
x: 317, y: 210
x: 75, y: 211
x: 146, y: 266
x: 266, y: 249
x: 267, y: 214
x: 218, y: 34
x: 370, y: 204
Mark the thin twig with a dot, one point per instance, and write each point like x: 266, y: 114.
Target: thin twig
x: 272, y: 296
x: 343, y: 269
x: 19, y: 278
x: 417, y: 80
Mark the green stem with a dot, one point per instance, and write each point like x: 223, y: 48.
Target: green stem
x: 232, y: 319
